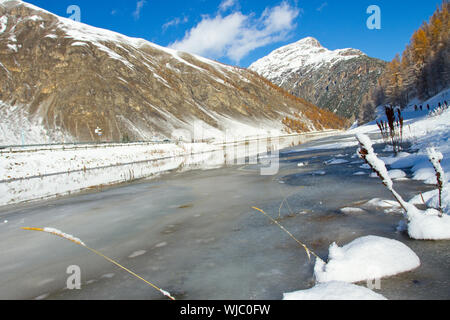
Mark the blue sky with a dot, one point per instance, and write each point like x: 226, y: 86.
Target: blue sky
x: 239, y: 32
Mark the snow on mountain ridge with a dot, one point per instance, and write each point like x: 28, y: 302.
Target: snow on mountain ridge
x: 306, y: 53
x: 73, y: 78
x: 86, y: 33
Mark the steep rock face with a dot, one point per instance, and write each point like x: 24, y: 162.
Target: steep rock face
x: 64, y: 79
x: 334, y: 80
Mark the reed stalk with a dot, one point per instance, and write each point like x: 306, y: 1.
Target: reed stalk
x: 80, y: 243
x: 309, y: 252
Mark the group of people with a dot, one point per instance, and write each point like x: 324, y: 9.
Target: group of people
x: 445, y: 105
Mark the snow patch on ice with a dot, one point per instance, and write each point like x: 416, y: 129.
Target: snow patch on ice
x: 393, y: 174
x: 366, y: 258
x: 350, y: 210
x: 334, y: 290
x: 429, y: 225
x: 137, y: 254
x: 335, y: 162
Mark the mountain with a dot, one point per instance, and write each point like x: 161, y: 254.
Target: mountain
x: 60, y: 80
x: 334, y: 80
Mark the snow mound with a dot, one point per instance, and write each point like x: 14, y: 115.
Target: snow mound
x: 431, y: 199
x: 393, y: 174
x: 335, y: 161
x: 366, y: 258
x: 428, y: 225
x: 381, y: 203
x: 350, y: 210
x: 396, y: 174
x: 334, y: 291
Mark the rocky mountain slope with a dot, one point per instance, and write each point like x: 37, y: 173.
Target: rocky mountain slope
x: 60, y: 80
x: 334, y: 80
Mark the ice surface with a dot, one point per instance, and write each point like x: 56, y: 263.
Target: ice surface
x: 250, y: 258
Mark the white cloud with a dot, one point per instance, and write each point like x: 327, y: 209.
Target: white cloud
x: 139, y: 5
x: 236, y: 35
x: 322, y: 6
x: 226, y: 4
x: 174, y: 22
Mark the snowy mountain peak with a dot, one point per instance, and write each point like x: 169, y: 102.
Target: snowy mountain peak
x: 306, y: 53
x: 309, y: 41
x: 332, y: 79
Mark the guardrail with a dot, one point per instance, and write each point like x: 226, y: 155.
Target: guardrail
x: 109, y: 144
x: 74, y: 146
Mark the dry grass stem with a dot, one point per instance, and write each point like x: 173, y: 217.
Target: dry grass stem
x: 79, y: 242
x: 309, y: 252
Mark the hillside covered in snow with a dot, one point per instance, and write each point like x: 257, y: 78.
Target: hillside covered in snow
x: 60, y: 80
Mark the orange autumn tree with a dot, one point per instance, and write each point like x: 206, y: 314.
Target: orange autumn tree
x: 422, y: 71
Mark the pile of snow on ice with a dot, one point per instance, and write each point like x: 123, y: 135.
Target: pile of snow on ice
x: 334, y: 291
x: 366, y: 258
x: 428, y: 225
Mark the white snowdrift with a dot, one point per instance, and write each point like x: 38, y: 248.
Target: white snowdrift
x: 428, y: 225
x: 350, y: 210
x: 421, y: 225
x: 334, y: 291
x: 393, y: 174
x: 431, y: 199
x: 366, y: 258
x: 335, y: 161
x: 381, y: 203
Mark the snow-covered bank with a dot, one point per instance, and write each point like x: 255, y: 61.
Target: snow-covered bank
x: 26, y: 162
x: 428, y: 164
x: 18, y: 165
x: 28, y: 174
x: 428, y: 158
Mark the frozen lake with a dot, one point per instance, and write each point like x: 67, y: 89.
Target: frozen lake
x: 194, y: 233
